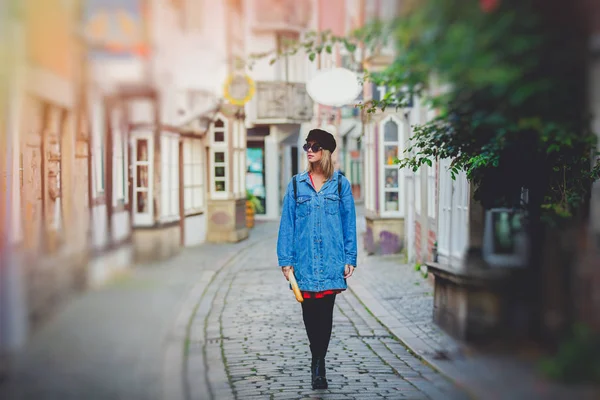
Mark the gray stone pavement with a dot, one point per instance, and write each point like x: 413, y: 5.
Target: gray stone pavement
x: 401, y: 299
x: 219, y: 322
x: 246, y: 340
x: 111, y: 343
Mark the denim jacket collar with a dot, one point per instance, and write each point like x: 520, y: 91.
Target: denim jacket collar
x: 304, y: 176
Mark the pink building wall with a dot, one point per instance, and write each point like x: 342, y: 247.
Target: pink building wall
x: 332, y: 16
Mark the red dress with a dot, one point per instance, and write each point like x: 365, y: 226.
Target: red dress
x: 319, y: 295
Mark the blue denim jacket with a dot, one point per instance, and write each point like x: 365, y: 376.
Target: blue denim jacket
x: 317, y: 233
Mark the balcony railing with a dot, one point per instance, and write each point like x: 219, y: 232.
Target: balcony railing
x: 280, y: 102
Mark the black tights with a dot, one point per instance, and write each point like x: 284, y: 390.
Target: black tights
x: 318, y: 320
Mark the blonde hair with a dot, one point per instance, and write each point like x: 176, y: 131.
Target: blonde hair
x: 326, y: 165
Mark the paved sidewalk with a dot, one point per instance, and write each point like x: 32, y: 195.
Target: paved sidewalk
x: 110, y: 343
x: 403, y: 301
x: 219, y: 322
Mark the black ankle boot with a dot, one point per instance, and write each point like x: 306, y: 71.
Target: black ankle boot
x: 313, y: 366
x: 319, y: 381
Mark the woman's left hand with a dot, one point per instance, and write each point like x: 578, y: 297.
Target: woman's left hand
x: 348, y: 271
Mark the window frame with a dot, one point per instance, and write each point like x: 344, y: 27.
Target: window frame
x: 431, y: 190
x: 193, y: 162
x: 369, y: 162
x: 460, y: 216
x: 98, y: 148
x: 453, y: 209
x: 219, y: 194
x: 169, y: 207
x: 239, y: 161
x: 418, y: 190
x: 143, y: 218
x: 120, y: 159
x: 399, y: 190
x: 220, y: 147
x: 55, y: 121
x: 290, y: 69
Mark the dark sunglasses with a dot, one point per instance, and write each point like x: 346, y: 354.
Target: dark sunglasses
x: 315, y: 147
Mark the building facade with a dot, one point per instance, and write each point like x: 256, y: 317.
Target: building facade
x: 158, y: 114
x: 281, y: 113
x: 121, y: 147
x: 47, y: 147
x: 114, y: 61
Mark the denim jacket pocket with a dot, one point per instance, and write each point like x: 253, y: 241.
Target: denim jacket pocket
x: 332, y: 204
x: 302, y: 206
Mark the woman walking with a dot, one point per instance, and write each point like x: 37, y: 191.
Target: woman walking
x: 317, y: 242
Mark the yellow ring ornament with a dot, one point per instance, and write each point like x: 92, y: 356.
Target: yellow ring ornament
x: 235, y: 98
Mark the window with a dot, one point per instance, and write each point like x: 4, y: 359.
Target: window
x: 219, y: 131
x: 220, y: 165
x: 370, y: 195
x: 391, y: 174
x: 170, y: 178
x: 239, y: 160
x: 142, y: 181
x: 445, y: 208
x: 98, y: 151
x: 431, y: 190
x: 418, y: 190
x: 219, y: 159
x: 460, y: 217
x: 288, y: 68
x: 53, y: 167
x: 355, y: 172
x: 193, y: 176
x: 453, y: 212
x: 120, y: 192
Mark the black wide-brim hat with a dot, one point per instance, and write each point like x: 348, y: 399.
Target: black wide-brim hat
x: 324, y: 138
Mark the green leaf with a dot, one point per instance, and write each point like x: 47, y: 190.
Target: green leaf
x: 312, y: 56
x: 328, y: 49
x: 350, y: 46
x: 272, y: 61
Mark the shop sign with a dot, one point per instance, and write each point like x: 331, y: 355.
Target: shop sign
x: 239, y: 89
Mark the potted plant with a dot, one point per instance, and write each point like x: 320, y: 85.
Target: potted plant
x: 253, y: 205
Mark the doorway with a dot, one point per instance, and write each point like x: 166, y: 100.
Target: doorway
x: 255, y: 173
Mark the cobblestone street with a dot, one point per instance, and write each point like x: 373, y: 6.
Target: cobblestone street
x: 219, y: 322
x: 247, y: 340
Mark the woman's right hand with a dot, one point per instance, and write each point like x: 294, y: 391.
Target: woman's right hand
x: 286, y: 272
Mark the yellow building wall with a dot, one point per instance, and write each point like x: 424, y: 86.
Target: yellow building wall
x: 50, y: 32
